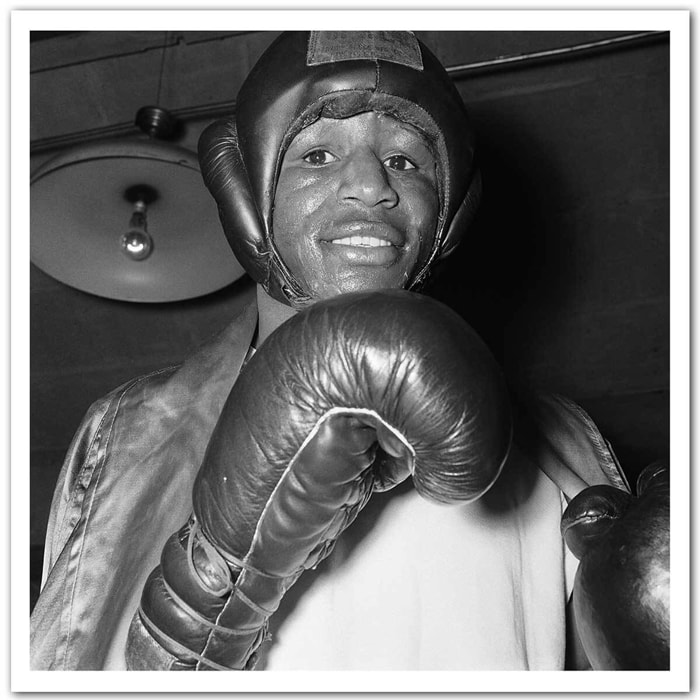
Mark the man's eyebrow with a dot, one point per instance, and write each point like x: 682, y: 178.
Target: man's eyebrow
x: 303, y: 141
x: 411, y: 138
x: 313, y: 132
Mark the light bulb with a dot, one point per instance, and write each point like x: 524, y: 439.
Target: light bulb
x: 136, y: 242
x: 137, y: 245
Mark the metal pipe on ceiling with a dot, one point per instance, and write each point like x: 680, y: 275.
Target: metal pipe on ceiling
x: 218, y: 109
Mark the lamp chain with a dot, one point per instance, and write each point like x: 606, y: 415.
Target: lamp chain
x: 162, y: 66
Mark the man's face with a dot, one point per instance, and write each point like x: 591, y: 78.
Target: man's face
x: 356, y: 205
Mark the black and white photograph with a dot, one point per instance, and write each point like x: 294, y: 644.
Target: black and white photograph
x: 351, y: 344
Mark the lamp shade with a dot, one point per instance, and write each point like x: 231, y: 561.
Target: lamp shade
x: 83, y: 205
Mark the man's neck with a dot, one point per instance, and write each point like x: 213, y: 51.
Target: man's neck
x: 271, y: 314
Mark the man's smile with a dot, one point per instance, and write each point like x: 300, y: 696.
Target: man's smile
x: 363, y: 241
x: 364, y: 233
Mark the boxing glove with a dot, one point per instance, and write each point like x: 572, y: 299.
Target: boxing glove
x: 349, y: 396
x: 621, y: 589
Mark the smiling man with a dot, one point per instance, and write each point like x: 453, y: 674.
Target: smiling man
x: 348, y: 167
x: 356, y: 204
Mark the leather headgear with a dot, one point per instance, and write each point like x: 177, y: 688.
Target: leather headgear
x: 307, y: 75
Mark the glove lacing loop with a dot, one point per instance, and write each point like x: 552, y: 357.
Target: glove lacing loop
x: 213, y: 557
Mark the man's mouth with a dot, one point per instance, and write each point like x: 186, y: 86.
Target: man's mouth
x: 362, y: 241
x: 361, y: 233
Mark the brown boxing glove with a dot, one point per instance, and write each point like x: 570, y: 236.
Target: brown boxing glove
x: 621, y: 591
x: 351, y: 395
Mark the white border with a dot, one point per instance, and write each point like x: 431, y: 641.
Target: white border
x: 26, y: 17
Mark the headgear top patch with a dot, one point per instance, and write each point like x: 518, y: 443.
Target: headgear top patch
x: 396, y: 47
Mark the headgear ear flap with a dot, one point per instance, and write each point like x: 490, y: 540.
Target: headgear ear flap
x: 463, y: 218
x: 460, y: 223
x: 226, y: 177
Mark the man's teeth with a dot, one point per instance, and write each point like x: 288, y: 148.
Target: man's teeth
x: 366, y: 241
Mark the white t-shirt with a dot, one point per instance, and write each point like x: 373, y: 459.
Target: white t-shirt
x: 412, y: 585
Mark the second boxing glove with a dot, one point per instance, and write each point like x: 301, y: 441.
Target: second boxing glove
x: 622, y: 589
x: 353, y: 394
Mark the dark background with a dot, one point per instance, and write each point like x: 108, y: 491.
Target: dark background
x: 565, y: 272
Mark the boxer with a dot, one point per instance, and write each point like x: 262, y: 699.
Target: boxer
x: 192, y: 499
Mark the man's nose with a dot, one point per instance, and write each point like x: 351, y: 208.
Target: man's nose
x: 364, y: 179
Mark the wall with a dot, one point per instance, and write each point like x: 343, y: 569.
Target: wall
x: 569, y: 266
x: 565, y: 273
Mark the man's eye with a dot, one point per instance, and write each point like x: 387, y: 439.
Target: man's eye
x: 319, y: 157
x: 399, y: 163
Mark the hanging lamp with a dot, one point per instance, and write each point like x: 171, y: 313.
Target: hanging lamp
x: 130, y: 219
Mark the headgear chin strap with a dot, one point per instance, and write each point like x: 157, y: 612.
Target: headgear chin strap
x: 307, y: 75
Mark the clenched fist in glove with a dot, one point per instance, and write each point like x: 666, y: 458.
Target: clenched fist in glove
x: 351, y: 395
x: 621, y: 591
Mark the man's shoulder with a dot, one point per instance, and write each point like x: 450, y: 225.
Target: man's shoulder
x: 149, y: 431
x: 165, y: 404
x: 215, y: 362
x: 564, y: 441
